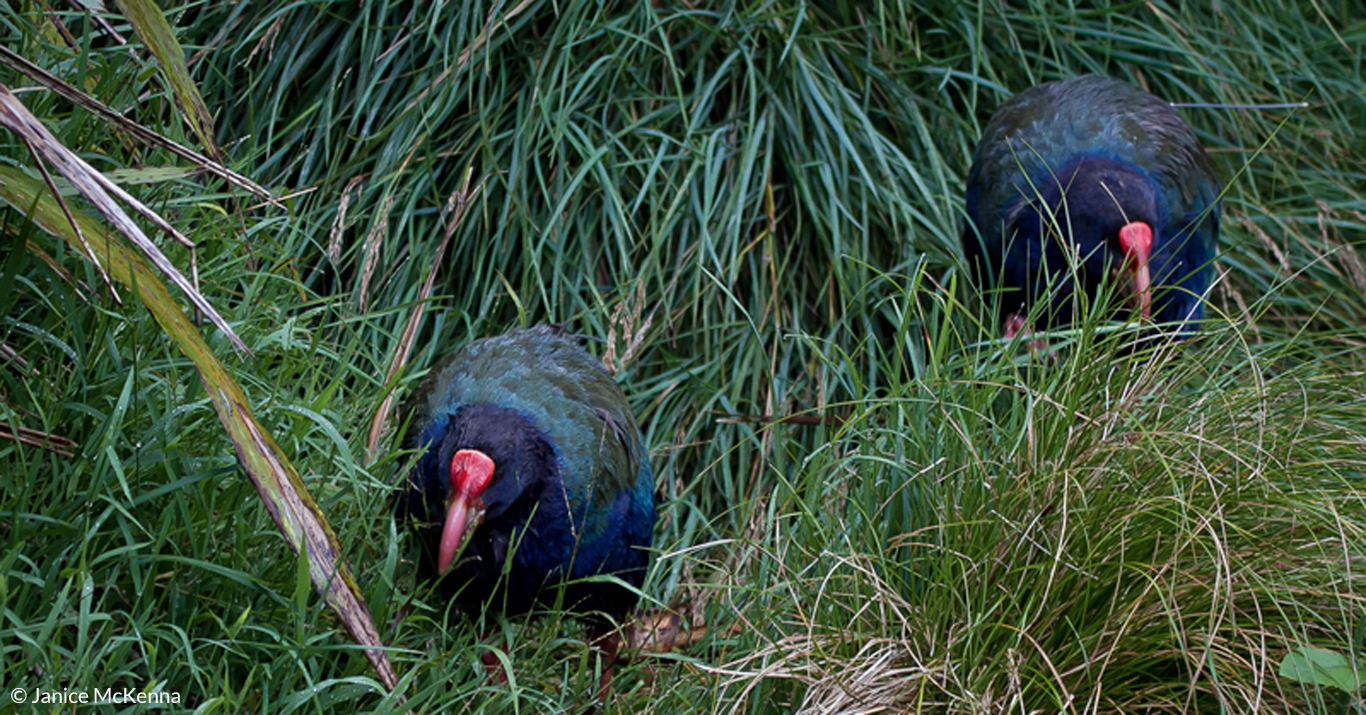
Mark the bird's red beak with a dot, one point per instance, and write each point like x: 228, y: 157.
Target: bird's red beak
x: 471, y: 472
x: 1136, y: 240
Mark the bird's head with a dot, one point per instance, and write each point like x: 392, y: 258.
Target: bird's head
x: 1102, y: 214
x: 488, y: 462
x: 471, y: 472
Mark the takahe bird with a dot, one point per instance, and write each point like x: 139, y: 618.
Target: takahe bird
x: 1090, y: 180
x: 533, y: 481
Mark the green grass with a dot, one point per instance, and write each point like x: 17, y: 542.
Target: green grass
x: 757, y: 209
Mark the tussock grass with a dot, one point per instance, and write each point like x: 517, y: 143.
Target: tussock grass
x: 1147, y: 551
x: 756, y: 208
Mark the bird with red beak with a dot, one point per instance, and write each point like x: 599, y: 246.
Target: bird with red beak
x: 1085, y: 182
x: 533, y: 487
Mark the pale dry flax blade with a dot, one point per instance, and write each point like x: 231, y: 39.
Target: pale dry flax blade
x: 282, y: 491
x: 95, y: 10
x: 461, y: 201
x: 56, y: 22
x: 42, y: 440
x: 326, y: 566
x: 62, y: 271
x: 155, y: 32
x: 96, y: 189
x: 52, y: 186
x: 9, y: 354
x: 137, y: 131
x: 64, y: 155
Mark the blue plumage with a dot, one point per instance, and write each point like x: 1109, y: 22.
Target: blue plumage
x: 1085, y: 180
x: 569, y: 494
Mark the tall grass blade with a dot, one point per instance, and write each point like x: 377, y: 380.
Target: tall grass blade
x: 151, y: 26
x: 286, y: 497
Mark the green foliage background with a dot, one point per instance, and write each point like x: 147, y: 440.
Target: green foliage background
x: 756, y: 207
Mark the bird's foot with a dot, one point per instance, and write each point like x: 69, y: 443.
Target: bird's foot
x: 1017, y: 325
x: 493, y: 665
x: 608, y: 642
x: 657, y: 631
x: 665, y: 630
